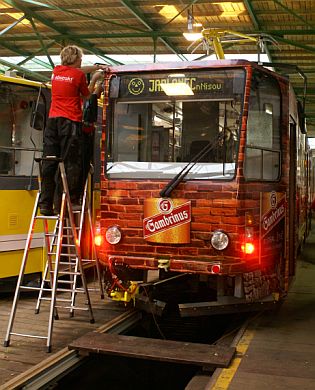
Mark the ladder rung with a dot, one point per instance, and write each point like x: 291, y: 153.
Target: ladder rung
x: 34, y: 288
x: 72, y: 307
x: 57, y: 299
x: 68, y: 273
x: 63, y: 254
x: 69, y: 290
x: 68, y: 255
x: 64, y: 299
x: 55, y: 217
x: 67, y: 263
x: 68, y: 245
x: 65, y: 281
x: 28, y: 335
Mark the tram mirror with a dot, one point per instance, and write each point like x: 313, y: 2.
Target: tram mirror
x: 114, y: 87
x: 301, y: 115
x: 90, y: 109
x: 38, y: 116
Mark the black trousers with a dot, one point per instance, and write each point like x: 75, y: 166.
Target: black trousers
x: 62, y: 138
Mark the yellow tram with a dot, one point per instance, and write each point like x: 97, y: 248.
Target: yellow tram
x: 24, y: 106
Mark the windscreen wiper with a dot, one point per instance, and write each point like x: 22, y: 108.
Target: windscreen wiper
x: 171, y: 185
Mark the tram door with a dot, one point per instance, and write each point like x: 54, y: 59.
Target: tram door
x: 292, y: 197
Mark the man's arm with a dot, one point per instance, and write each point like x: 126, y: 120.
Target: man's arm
x: 96, y: 76
x: 92, y: 68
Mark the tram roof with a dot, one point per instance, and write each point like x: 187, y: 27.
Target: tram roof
x: 189, y: 65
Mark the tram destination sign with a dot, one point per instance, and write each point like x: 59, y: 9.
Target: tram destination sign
x: 211, y: 84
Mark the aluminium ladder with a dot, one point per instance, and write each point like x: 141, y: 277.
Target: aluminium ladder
x: 72, y: 262
x: 54, y: 243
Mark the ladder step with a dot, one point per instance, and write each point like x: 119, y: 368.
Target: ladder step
x: 67, y: 290
x: 64, y: 291
x: 72, y: 307
x: 67, y: 273
x: 34, y: 288
x: 71, y: 255
x: 62, y: 254
x: 67, y: 263
x: 53, y: 217
x: 28, y: 335
x: 65, y: 281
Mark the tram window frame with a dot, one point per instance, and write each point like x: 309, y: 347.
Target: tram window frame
x: 174, y: 159
x: 262, y: 161
x: 22, y: 140
x: 216, y: 85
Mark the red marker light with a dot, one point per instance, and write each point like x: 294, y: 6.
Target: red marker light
x: 216, y: 268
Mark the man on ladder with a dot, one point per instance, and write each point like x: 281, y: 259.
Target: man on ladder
x: 62, y: 137
x: 61, y: 153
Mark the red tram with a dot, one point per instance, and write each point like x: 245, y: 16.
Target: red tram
x: 204, y: 174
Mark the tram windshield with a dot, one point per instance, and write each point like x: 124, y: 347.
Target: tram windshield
x: 160, y: 122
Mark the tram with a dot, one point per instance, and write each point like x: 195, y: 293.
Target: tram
x: 24, y: 107
x: 205, y: 177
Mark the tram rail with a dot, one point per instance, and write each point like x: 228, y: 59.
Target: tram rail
x: 65, y: 360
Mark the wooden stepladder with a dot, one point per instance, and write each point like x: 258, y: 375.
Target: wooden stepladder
x: 60, y: 264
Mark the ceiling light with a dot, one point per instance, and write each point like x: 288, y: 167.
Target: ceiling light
x: 193, y: 36
x: 194, y: 30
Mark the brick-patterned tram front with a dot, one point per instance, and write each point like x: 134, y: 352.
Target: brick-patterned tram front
x: 209, y: 180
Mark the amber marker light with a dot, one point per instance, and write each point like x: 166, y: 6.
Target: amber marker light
x: 98, y: 239
x: 248, y: 248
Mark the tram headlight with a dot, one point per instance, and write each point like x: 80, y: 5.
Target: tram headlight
x: 219, y: 240
x: 113, y: 235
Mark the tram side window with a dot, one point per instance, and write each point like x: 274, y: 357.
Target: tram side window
x: 18, y: 139
x: 262, y: 154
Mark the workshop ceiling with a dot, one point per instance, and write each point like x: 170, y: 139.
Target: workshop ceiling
x: 107, y: 27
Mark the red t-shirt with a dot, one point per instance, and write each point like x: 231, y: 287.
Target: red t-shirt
x: 67, y: 84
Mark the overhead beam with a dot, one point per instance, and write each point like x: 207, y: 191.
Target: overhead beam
x: 192, y: 2
x: 149, y: 34
x: 85, y: 45
x: 33, y: 75
x: 256, y: 24
x: 296, y: 44
x: 41, y: 42
x: 37, y: 53
x: 72, y: 12
x: 292, y: 12
x: 141, y: 17
x: 23, y: 53
x: 12, y: 25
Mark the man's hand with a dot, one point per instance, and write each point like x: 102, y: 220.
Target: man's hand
x: 104, y: 68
